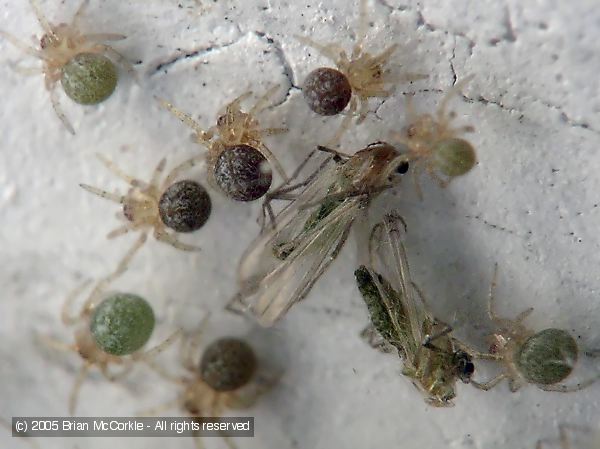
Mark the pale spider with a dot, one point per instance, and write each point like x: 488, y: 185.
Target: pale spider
x: 433, y: 143
x: 183, y: 206
x: 542, y: 358
x: 78, y: 60
x: 237, y: 159
x: 225, y: 376
x: 358, y: 78
x: 112, y: 328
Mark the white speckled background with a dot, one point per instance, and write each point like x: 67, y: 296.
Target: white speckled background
x: 530, y: 205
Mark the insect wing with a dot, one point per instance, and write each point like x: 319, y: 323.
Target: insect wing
x: 405, y: 307
x: 270, y: 283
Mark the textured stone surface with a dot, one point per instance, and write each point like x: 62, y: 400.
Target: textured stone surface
x: 530, y: 204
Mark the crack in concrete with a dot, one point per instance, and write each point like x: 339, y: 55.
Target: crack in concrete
x: 189, y: 54
x: 452, y: 58
x: 564, y: 117
x: 280, y: 54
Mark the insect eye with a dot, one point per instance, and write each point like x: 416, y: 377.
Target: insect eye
x: 402, y: 167
x: 222, y: 120
x: 468, y: 368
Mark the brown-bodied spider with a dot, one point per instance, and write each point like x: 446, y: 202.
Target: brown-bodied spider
x: 182, y: 206
x: 237, y: 159
x: 111, y: 328
x: 358, y: 78
x: 78, y: 60
x: 433, y: 143
x: 225, y: 376
x: 543, y: 358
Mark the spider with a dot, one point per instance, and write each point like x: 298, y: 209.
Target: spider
x: 79, y: 61
x: 112, y: 328
x: 328, y: 91
x: 225, y: 376
x: 434, y: 144
x: 183, y: 206
x: 543, y: 358
x: 237, y: 159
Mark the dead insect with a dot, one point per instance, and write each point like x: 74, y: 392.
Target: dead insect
x: 543, y: 358
x: 183, y: 206
x: 432, y: 358
x: 285, y: 261
x: 433, y: 143
x: 358, y: 77
x: 78, y: 60
x: 113, y: 327
x: 226, y: 376
x: 237, y: 159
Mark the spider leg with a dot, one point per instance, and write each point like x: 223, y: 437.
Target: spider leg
x: 79, y: 13
x: 160, y: 167
x: 163, y: 236
x: 56, y: 344
x: 492, y: 297
x: 364, y: 109
x: 103, y: 193
x: 361, y: 32
x: 151, y: 353
x: 121, y: 230
x: 335, y: 140
x: 331, y: 51
x: 100, y: 37
x: 185, y: 118
x: 81, y: 376
x: 66, y: 318
x: 235, y: 103
x: 382, y: 58
x: 114, y: 168
x: 263, y: 102
x: 118, y: 57
x: 42, y: 18
x: 22, y: 45
x: 271, y: 157
x: 113, y: 377
x: 27, y: 71
x: 184, y: 166
x: 454, y: 90
x: 58, y: 110
x: 103, y: 283
x: 272, y: 131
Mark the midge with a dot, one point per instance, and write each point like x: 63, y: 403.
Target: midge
x: 358, y: 77
x: 225, y: 375
x: 432, y: 358
x: 183, y: 206
x: 434, y: 144
x: 80, y: 61
x: 543, y: 358
x: 238, y: 161
x: 112, y: 328
x: 285, y: 261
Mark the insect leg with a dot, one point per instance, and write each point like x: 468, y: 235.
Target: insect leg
x: 490, y: 384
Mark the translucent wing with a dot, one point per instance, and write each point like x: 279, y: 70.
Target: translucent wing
x: 281, y: 265
x: 402, y: 313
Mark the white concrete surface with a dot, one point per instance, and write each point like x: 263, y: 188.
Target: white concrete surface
x: 530, y: 205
